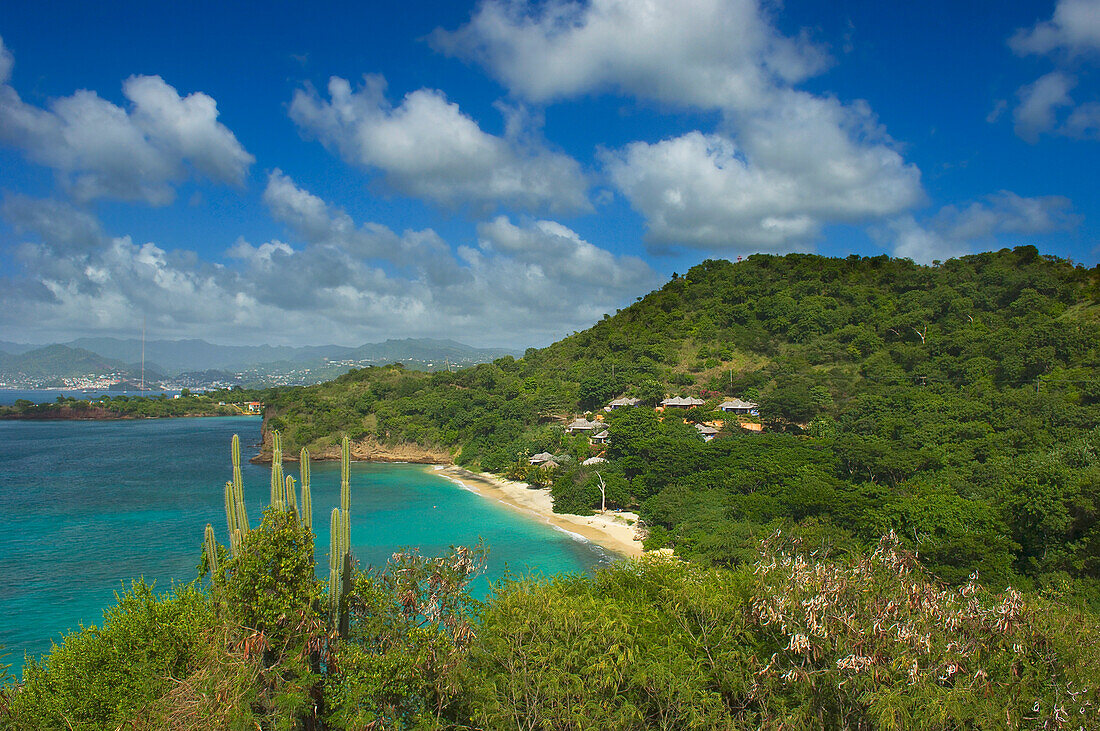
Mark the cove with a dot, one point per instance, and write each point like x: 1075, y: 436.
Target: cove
x: 87, y: 506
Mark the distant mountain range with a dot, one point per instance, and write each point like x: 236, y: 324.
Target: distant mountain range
x: 169, y: 358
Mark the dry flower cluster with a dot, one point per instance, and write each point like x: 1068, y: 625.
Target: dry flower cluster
x: 879, y: 621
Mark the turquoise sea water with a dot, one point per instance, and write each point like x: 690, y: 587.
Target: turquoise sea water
x: 86, y: 506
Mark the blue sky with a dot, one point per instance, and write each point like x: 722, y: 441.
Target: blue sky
x: 502, y: 172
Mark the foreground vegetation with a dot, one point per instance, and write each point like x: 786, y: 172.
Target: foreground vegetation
x: 957, y: 405
x: 787, y: 641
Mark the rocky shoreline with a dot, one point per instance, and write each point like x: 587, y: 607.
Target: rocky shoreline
x: 366, y: 450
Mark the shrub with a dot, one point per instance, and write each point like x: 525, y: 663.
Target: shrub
x: 100, y: 676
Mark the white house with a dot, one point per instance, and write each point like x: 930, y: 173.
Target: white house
x: 737, y: 406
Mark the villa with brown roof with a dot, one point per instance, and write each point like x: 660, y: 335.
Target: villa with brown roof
x: 542, y: 458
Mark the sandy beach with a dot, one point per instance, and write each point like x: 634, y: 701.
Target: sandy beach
x: 613, y: 531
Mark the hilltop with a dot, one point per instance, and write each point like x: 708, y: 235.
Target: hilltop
x: 957, y: 404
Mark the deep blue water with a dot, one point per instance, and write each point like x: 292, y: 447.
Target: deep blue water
x: 87, y: 506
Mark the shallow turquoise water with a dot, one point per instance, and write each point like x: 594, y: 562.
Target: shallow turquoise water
x: 86, y: 506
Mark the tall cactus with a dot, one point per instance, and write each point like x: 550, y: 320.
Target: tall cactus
x: 231, y: 518
x: 236, y: 517
x: 241, y: 519
x: 345, y: 484
x: 340, y: 559
x: 292, y: 499
x: 278, y: 487
x: 335, y: 563
x: 307, y: 499
x: 211, y: 546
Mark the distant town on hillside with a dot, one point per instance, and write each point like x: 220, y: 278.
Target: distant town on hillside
x: 117, y: 364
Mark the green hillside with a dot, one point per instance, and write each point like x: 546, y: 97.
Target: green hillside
x: 956, y: 404
x: 59, y: 361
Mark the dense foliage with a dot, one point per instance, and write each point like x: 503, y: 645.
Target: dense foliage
x: 787, y: 641
x: 956, y: 404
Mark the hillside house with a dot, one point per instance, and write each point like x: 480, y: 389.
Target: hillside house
x: 602, y: 438
x: 737, y: 406
x: 254, y: 407
x: 582, y: 425
x: 593, y: 460
x: 622, y: 403
x: 706, y: 431
x: 542, y: 459
x: 682, y: 402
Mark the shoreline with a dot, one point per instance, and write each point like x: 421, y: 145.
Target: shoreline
x: 609, y: 531
x: 121, y: 417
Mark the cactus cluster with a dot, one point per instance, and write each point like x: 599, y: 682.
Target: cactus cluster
x: 284, y: 498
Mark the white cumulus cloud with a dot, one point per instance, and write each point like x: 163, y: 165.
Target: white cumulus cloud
x: 703, y: 53
x: 1074, y: 28
x: 783, y: 163
x: 810, y: 163
x: 102, y: 150
x: 427, y: 147
x: 1039, y: 104
x: 1070, y: 37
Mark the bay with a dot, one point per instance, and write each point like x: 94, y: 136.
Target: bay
x: 87, y: 506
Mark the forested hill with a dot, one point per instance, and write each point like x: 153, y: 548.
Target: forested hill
x: 957, y: 404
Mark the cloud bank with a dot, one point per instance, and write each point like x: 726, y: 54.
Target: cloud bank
x: 521, y: 283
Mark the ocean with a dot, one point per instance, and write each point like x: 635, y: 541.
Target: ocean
x: 87, y: 506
